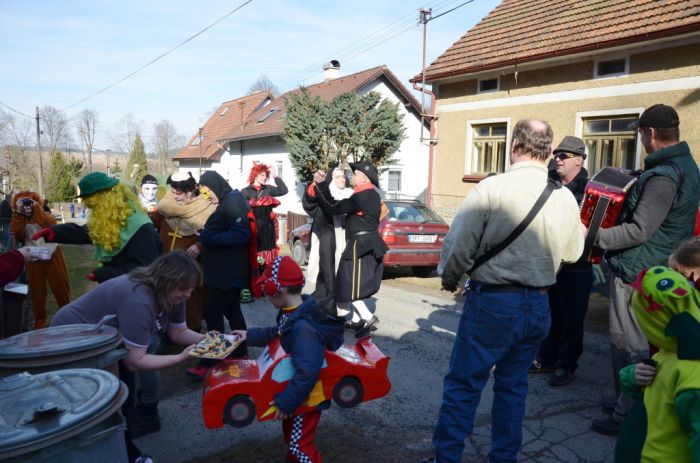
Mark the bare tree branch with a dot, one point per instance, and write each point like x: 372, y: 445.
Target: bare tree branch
x: 128, y: 128
x: 263, y: 83
x: 54, y: 126
x: 166, y: 140
x: 85, y: 124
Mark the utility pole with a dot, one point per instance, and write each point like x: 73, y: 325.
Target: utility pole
x: 200, y: 153
x: 425, y: 16
x: 41, y: 164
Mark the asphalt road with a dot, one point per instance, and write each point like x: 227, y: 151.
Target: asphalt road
x: 417, y: 328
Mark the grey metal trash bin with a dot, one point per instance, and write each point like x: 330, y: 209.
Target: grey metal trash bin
x: 61, y: 347
x: 62, y: 416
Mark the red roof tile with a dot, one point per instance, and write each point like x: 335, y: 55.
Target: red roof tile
x: 230, y: 115
x: 518, y: 31
x: 231, y: 128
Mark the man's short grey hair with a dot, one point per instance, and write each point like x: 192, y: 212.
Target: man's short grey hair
x: 533, y: 137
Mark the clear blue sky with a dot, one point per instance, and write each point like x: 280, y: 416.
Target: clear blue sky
x: 57, y: 53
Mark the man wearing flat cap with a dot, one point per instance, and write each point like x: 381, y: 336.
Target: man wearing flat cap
x: 568, y: 297
x: 361, y: 264
x: 658, y: 214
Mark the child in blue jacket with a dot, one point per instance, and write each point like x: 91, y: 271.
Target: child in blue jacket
x: 305, y: 331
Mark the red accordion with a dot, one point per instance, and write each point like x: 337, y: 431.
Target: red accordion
x: 602, y: 204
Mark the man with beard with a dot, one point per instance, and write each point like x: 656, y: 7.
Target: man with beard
x: 568, y: 298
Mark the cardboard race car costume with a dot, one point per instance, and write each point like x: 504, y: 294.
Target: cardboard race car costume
x: 238, y: 391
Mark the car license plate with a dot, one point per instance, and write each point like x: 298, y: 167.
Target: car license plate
x: 422, y: 238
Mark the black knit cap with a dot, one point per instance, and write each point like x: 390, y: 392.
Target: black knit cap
x: 571, y: 145
x: 148, y: 178
x: 658, y: 116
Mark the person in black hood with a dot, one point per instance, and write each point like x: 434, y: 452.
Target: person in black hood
x: 568, y: 298
x: 225, y: 260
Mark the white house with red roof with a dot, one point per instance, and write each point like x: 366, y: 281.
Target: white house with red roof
x: 248, y: 129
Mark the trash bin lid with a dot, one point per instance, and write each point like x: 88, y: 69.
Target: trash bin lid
x: 40, y: 410
x: 58, y: 340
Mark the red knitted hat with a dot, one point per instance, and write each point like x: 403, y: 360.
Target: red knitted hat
x: 283, y: 272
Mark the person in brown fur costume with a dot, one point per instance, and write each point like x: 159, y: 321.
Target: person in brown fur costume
x: 180, y: 214
x: 28, y: 218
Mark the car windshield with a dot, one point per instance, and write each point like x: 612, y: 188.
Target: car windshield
x: 406, y: 212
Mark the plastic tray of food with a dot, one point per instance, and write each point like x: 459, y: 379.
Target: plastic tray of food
x: 215, y: 346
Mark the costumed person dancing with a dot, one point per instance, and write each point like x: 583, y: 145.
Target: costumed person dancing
x: 122, y: 233
x: 28, y: 219
x: 226, y: 260
x: 327, y: 240
x: 261, y: 197
x: 147, y: 301
x: 361, y: 265
x: 181, y: 213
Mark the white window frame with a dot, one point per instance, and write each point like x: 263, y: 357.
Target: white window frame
x: 624, y: 73
x: 279, y: 168
x: 581, y: 116
x: 388, y: 182
x: 470, y: 138
x: 478, y: 85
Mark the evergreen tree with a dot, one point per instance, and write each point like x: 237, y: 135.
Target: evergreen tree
x: 350, y: 128
x: 136, y: 165
x: 305, y: 133
x: 63, y: 176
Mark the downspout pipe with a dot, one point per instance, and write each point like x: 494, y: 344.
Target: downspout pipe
x: 432, y: 140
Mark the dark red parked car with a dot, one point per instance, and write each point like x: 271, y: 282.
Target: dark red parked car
x: 413, y: 232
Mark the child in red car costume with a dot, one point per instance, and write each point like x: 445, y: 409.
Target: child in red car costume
x: 305, y: 331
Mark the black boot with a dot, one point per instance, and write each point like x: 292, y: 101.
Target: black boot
x: 146, y: 420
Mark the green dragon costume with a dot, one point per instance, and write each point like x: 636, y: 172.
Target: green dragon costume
x: 664, y: 424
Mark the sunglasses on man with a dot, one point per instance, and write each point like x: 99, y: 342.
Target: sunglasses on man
x: 564, y: 155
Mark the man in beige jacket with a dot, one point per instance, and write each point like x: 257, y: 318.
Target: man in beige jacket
x: 506, y: 314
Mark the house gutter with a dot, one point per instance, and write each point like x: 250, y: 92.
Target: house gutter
x: 432, y: 140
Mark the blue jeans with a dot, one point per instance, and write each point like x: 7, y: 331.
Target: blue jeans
x: 496, y: 328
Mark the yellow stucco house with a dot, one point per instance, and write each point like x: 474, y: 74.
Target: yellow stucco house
x: 588, y: 67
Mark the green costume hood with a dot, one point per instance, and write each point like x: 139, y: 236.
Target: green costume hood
x: 667, y: 307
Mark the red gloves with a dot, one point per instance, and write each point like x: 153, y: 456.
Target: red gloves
x: 47, y: 233
x: 91, y: 277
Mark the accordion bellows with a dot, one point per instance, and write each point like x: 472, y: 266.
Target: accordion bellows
x: 602, y: 204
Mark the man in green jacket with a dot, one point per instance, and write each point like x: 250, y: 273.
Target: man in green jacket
x: 658, y: 214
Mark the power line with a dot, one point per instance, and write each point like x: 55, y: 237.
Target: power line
x: 14, y: 110
x: 161, y: 56
x: 450, y: 11
x: 370, y: 41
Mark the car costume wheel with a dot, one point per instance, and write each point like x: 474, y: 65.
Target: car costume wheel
x: 299, y: 253
x: 239, y: 411
x: 422, y: 272
x: 348, y: 392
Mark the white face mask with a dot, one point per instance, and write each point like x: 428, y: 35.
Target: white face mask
x: 149, y: 190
